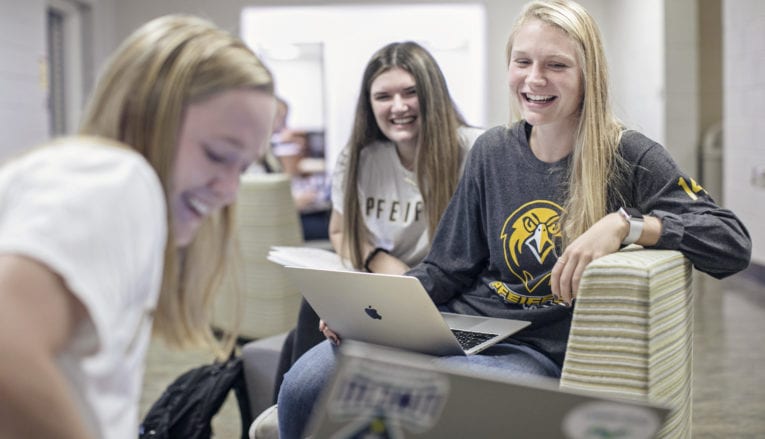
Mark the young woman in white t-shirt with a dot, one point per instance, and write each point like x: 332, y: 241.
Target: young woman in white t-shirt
x: 394, y: 179
x: 102, y: 235
x: 402, y: 163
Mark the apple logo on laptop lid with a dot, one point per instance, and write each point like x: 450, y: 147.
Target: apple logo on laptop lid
x: 372, y: 312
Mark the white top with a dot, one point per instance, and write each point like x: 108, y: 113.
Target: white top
x: 390, y: 201
x: 95, y: 215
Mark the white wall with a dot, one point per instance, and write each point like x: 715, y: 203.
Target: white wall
x: 638, y: 84
x: 631, y: 37
x: 113, y: 20
x: 744, y: 113
x: 105, y: 38
x: 461, y: 55
x: 24, y: 120
x: 23, y: 91
x: 643, y: 56
x: 640, y: 110
x: 226, y: 13
x: 653, y: 52
x: 681, y: 83
x: 624, y: 25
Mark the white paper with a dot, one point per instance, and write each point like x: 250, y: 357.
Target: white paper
x: 309, y: 257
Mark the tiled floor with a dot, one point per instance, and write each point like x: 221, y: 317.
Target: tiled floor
x: 729, y: 363
x: 729, y: 358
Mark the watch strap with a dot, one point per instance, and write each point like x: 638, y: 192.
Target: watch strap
x: 635, y: 221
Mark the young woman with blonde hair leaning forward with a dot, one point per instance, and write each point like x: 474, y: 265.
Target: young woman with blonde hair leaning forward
x: 88, y: 223
x: 544, y: 196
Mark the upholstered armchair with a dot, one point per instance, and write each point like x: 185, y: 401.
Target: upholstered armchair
x: 632, y: 332
x: 266, y: 216
x: 631, y: 336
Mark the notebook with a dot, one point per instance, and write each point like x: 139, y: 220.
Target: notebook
x: 379, y: 392
x: 394, y: 311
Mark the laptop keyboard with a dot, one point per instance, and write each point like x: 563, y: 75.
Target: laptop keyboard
x: 469, y: 339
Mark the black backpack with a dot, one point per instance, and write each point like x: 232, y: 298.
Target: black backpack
x: 186, y: 408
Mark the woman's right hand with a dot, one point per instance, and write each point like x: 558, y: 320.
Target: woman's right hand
x: 328, y: 333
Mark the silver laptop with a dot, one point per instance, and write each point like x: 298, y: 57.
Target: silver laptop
x: 378, y: 392
x: 395, y: 311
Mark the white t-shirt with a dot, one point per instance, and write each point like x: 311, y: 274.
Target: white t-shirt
x: 389, y: 198
x: 95, y: 215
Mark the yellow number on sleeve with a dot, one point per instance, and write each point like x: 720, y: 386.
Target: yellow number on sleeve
x: 691, y: 190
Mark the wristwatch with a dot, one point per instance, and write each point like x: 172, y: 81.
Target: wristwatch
x: 635, y: 220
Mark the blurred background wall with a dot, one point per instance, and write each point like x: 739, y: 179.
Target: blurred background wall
x: 688, y: 73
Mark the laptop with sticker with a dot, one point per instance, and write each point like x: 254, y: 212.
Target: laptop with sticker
x: 395, y: 311
x: 379, y: 392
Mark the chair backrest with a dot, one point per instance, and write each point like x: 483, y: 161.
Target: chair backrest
x: 632, y: 332
x: 266, y: 216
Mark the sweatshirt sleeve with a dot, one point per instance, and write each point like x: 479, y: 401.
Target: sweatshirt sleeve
x: 711, y: 237
x: 459, y: 251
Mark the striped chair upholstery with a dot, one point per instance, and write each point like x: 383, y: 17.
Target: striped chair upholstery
x: 266, y: 215
x: 631, y: 333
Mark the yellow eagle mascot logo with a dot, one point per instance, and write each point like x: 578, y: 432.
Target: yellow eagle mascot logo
x: 529, y: 236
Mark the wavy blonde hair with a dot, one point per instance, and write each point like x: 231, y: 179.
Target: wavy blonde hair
x: 158, y: 71
x: 596, y: 163
x: 439, y: 152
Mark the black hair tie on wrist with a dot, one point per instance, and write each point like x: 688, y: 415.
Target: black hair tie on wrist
x: 371, y: 256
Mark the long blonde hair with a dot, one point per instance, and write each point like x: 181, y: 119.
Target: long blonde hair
x: 439, y: 153
x: 596, y: 163
x: 158, y: 71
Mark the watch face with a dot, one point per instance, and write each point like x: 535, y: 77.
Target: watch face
x: 633, y: 213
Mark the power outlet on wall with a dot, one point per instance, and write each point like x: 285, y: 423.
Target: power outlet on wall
x: 758, y: 176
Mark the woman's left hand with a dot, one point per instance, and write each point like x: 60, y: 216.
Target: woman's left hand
x: 328, y: 333
x: 604, y: 237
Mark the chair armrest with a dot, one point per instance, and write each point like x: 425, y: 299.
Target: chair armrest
x: 261, y: 361
x: 631, y: 333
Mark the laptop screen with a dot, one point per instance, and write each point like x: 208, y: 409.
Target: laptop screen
x: 386, y: 393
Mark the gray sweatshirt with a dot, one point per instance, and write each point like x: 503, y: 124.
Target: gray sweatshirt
x: 496, y: 243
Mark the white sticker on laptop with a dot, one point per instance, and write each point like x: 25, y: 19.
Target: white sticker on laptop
x: 376, y: 403
x: 596, y: 420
